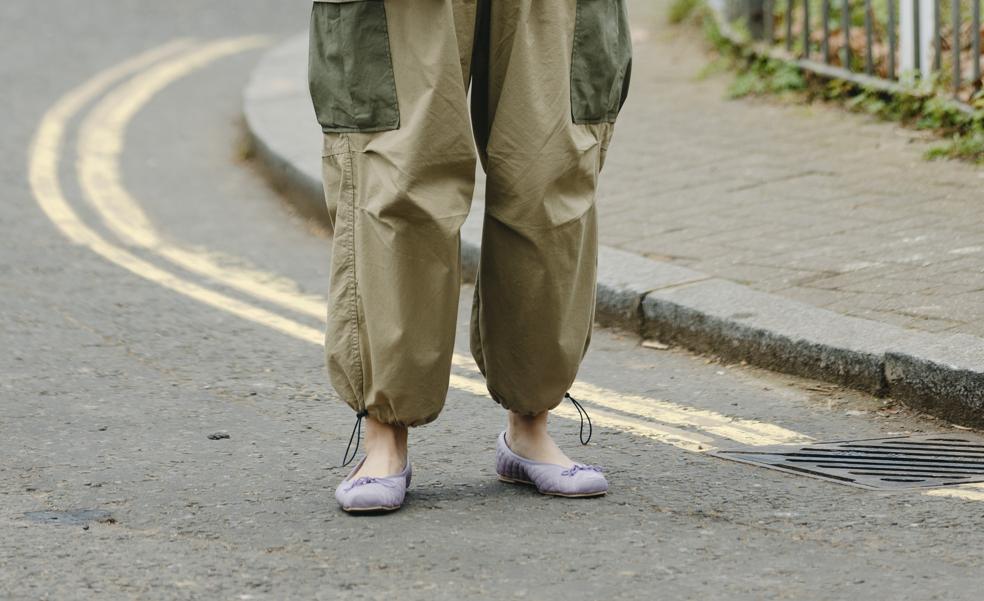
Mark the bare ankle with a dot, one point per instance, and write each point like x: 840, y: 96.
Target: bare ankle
x: 520, y: 426
x: 528, y: 437
x: 386, y: 449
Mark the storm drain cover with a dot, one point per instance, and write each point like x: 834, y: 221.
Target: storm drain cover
x: 880, y: 463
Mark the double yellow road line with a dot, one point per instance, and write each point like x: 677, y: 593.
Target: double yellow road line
x: 100, y: 146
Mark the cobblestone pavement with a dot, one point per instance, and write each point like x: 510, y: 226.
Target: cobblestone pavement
x: 810, y: 202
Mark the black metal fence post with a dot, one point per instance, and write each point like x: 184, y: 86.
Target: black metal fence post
x: 955, y: 20
x: 768, y: 21
x: 755, y: 17
x: 825, y: 17
x: 891, y: 39
x: 789, y: 24
x: 869, y: 59
x: 806, y: 28
x: 846, y: 26
x: 975, y: 44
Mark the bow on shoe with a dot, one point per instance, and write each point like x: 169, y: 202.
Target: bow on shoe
x: 370, y: 480
x: 581, y: 468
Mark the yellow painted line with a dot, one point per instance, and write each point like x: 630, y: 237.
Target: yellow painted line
x: 690, y: 441
x: 745, y: 431
x: 966, y: 492
x: 44, y: 158
x: 101, y: 144
x: 45, y: 148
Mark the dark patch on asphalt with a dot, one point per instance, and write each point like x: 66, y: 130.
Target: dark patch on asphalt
x: 76, y: 517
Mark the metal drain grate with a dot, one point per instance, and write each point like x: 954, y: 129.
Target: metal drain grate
x: 879, y: 463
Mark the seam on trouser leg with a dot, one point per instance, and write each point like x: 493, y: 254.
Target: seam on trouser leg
x: 475, y: 330
x: 354, y: 327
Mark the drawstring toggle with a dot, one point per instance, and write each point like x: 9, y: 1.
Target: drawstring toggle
x: 584, y: 416
x: 356, y: 436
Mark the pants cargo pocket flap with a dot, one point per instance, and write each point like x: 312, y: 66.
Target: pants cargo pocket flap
x: 350, y: 69
x: 601, y: 60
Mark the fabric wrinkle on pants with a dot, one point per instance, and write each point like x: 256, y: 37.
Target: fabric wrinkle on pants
x: 399, y: 194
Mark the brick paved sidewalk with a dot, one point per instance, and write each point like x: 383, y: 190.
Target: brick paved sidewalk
x: 809, y: 202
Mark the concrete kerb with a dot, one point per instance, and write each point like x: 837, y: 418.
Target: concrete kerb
x: 940, y: 374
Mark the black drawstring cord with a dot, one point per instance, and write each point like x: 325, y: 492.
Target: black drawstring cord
x: 584, y: 416
x: 357, y: 427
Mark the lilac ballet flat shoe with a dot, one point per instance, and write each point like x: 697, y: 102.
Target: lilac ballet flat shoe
x: 548, y: 478
x: 367, y: 494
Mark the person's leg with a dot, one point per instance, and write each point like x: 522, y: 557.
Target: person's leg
x: 545, y: 97
x: 389, y: 89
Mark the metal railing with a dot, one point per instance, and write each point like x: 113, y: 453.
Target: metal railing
x: 909, y: 42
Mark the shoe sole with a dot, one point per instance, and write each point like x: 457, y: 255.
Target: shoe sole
x: 514, y: 480
x: 581, y: 495
x: 377, y: 509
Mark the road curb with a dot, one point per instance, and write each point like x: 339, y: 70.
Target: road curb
x: 939, y: 374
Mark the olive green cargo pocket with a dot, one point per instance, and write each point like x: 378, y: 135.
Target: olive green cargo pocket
x: 602, y: 61
x: 350, y: 70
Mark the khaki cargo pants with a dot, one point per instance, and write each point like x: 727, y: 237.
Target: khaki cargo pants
x: 389, y: 80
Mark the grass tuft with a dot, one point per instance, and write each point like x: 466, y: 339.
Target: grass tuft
x: 680, y: 10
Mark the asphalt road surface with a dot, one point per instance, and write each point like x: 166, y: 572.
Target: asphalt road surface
x: 160, y: 310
